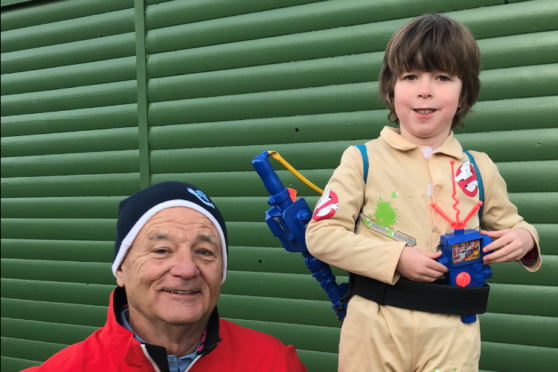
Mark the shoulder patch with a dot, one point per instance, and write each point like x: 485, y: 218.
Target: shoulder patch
x: 327, y: 206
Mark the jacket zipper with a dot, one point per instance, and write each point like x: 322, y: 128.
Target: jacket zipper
x: 193, y: 362
x: 155, y: 366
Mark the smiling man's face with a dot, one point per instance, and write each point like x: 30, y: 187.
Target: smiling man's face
x: 173, y: 270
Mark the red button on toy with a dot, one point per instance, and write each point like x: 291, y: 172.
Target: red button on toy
x: 463, y: 279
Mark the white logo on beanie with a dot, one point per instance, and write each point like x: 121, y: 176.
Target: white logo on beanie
x: 203, y: 198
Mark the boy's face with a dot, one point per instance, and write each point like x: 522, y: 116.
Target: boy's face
x: 425, y: 104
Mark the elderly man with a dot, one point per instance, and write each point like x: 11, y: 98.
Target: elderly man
x: 170, y: 262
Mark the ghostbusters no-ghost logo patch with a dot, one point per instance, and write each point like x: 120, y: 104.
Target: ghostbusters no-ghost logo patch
x: 327, y: 206
x: 466, y: 178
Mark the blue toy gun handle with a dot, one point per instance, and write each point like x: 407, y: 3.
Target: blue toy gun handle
x: 281, y: 218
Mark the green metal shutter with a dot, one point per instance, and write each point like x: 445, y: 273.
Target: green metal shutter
x: 69, y: 155
x: 226, y: 81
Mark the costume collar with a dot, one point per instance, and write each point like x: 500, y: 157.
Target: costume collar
x: 392, y: 136
x: 122, y: 336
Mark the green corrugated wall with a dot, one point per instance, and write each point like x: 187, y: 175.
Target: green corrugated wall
x: 103, y: 97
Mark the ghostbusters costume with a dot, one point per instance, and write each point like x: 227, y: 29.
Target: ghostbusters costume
x: 403, y: 179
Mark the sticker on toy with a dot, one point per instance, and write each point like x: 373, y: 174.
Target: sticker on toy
x: 327, y: 206
x: 466, y: 251
x: 466, y: 178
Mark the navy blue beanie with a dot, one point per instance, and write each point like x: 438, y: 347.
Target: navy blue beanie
x: 137, y: 209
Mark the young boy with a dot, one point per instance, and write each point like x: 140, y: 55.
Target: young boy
x: 429, y: 82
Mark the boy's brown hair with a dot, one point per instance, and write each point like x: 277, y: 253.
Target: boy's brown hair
x: 432, y: 42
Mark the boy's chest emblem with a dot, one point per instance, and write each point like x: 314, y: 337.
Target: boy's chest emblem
x: 466, y: 178
x: 327, y: 206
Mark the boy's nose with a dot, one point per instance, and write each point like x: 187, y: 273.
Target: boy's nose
x: 424, y: 90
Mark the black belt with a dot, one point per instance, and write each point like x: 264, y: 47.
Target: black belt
x: 436, y: 297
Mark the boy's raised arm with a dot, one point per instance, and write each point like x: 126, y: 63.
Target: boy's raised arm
x: 330, y: 234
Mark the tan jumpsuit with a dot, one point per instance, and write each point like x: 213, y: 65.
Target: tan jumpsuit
x: 403, y: 180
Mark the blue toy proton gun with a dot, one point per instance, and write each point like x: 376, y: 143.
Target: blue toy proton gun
x: 462, y: 251
x: 287, y: 220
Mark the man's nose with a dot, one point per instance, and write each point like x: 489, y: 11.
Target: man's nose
x: 185, y: 266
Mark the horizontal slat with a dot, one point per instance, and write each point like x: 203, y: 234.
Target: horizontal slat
x: 71, y: 164
x: 527, y: 330
x: 537, y: 207
x: 46, y: 332
x: 59, y: 229
x: 242, y: 283
x: 539, y: 176
x: 58, y: 250
x: 519, y: 50
x: 240, y: 233
x: 318, y: 361
x: 486, y: 22
x: 514, y: 114
x: 295, y: 75
x: 548, y: 234
x: 526, y: 113
x: 505, y: 83
x: 523, y: 299
x: 58, y: 11
x: 305, y: 337
x: 29, y: 349
x: 67, y: 186
x: 181, y: 12
x: 107, y: 117
x: 293, y: 20
x: 72, y: 142
x: 99, y: 49
x: 92, y: 73
x: 328, y: 71
x: 52, y: 312
x: 519, y: 145
x: 517, y: 358
x: 15, y: 364
x: 530, y: 176
x: 111, y: 94
x: 70, y: 293
x: 500, y: 146
x: 514, y: 273
x: 534, y: 207
x: 83, y: 28
x: 521, y: 82
x: 69, y: 207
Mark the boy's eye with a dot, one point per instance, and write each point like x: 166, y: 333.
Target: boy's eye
x: 410, y: 77
x: 443, y: 78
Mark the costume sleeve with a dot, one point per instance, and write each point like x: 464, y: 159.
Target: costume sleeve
x: 500, y: 213
x: 330, y: 235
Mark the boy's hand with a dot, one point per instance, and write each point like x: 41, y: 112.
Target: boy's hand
x: 508, y: 245
x: 420, y: 266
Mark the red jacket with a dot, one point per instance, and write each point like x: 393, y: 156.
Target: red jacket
x: 228, y: 347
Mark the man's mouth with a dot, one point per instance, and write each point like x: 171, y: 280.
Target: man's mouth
x: 424, y: 111
x: 182, y: 292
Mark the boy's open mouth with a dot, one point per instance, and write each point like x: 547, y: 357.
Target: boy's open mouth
x: 424, y: 111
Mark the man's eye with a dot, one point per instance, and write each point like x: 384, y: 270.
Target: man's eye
x: 161, y: 251
x: 205, y: 252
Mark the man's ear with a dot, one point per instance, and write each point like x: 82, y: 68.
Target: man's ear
x: 120, y: 276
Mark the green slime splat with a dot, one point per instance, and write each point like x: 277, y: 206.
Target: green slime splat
x: 385, y: 214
